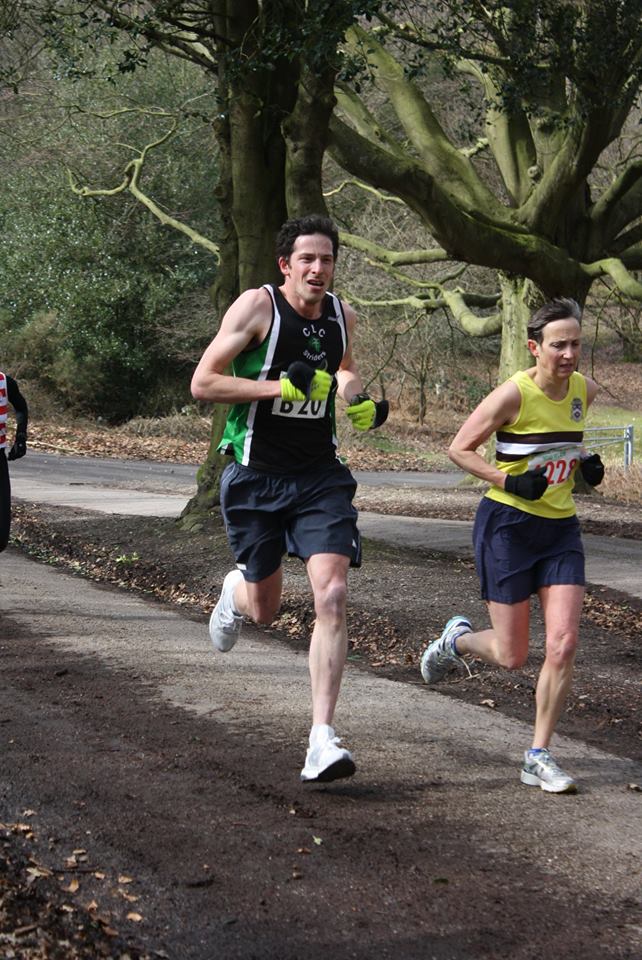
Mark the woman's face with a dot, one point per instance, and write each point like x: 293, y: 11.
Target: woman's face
x: 559, y: 352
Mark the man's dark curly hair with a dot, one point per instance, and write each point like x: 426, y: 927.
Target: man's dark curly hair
x: 558, y: 309
x: 303, y: 227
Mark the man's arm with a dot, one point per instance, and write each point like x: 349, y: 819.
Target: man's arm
x: 364, y: 412
x: 246, y: 320
x: 349, y: 382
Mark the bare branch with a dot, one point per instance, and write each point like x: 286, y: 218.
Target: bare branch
x: 385, y: 198
x: 130, y: 182
x: 628, y: 179
x: 182, y: 42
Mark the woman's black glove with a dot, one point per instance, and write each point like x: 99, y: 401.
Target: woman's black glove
x: 529, y: 486
x: 592, y: 469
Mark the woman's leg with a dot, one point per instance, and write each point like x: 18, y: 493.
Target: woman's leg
x: 562, y: 607
x: 506, y: 644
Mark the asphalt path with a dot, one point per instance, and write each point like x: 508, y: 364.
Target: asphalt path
x: 174, y: 478
x: 148, y: 488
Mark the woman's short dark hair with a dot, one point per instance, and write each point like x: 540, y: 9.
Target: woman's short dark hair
x: 559, y: 308
x: 303, y: 227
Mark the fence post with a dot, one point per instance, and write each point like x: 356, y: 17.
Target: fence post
x: 628, y: 446
x: 610, y: 436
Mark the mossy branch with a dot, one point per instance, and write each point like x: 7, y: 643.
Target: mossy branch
x: 459, y: 305
x: 620, y: 186
x: 364, y: 121
x: 413, y: 281
x: 458, y: 302
x: 615, y: 269
x: 393, y: 257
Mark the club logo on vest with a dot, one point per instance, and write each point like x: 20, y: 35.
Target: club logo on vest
x: 314, y: 351
x: 577, y: 409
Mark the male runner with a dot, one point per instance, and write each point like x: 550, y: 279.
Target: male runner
x: 290, y: 348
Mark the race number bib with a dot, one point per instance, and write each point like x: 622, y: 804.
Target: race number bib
x: 301, y: 409
x: 558, y: 464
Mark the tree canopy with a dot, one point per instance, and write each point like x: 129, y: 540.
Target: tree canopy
x: 544, y: 181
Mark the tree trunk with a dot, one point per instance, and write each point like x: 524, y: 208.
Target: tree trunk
x: 251, y: 192
x: 520, y: 297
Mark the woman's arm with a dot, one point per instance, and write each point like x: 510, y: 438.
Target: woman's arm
x: 497, y: 409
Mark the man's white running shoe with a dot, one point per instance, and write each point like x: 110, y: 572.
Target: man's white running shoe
x: 225, y: 622
x: 540, y: 770
x: 326, y: 760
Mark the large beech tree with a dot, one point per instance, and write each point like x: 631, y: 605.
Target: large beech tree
x: 554, y: 84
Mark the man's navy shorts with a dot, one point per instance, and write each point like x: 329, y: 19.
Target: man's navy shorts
x: 516, y: 552
x: 267, y: 515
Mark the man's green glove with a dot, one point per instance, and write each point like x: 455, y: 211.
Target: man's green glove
x: 366, y: 414
x: 303, y: 382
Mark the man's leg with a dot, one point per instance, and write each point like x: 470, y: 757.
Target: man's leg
x: 325, y: 759
x: 562, y: 607
x: 259, y: 601
x: 328, y: 574
x: 239, y: 597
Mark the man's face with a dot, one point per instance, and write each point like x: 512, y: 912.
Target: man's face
x: 309, y: 270
x: 559, y: 352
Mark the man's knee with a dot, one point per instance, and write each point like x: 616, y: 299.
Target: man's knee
x: 330, y: 599
x: 561, y: 648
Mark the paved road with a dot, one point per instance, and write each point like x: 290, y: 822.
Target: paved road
x: 172, y: 478
x: 146, y: 488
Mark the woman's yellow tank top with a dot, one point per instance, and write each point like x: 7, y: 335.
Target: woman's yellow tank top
x: 546, y: 433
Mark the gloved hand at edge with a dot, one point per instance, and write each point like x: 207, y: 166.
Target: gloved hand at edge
x: 303, y: 382
x: 592, y: 469
x: 19, y: 447
x: 367, y: 414
x: 529, y: 486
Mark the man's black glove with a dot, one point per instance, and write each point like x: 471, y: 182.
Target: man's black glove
x: 303, y: 382
x: 529, y: 486
x: 592, y: 469
x: 19, y: 447
x: 367, y: 414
